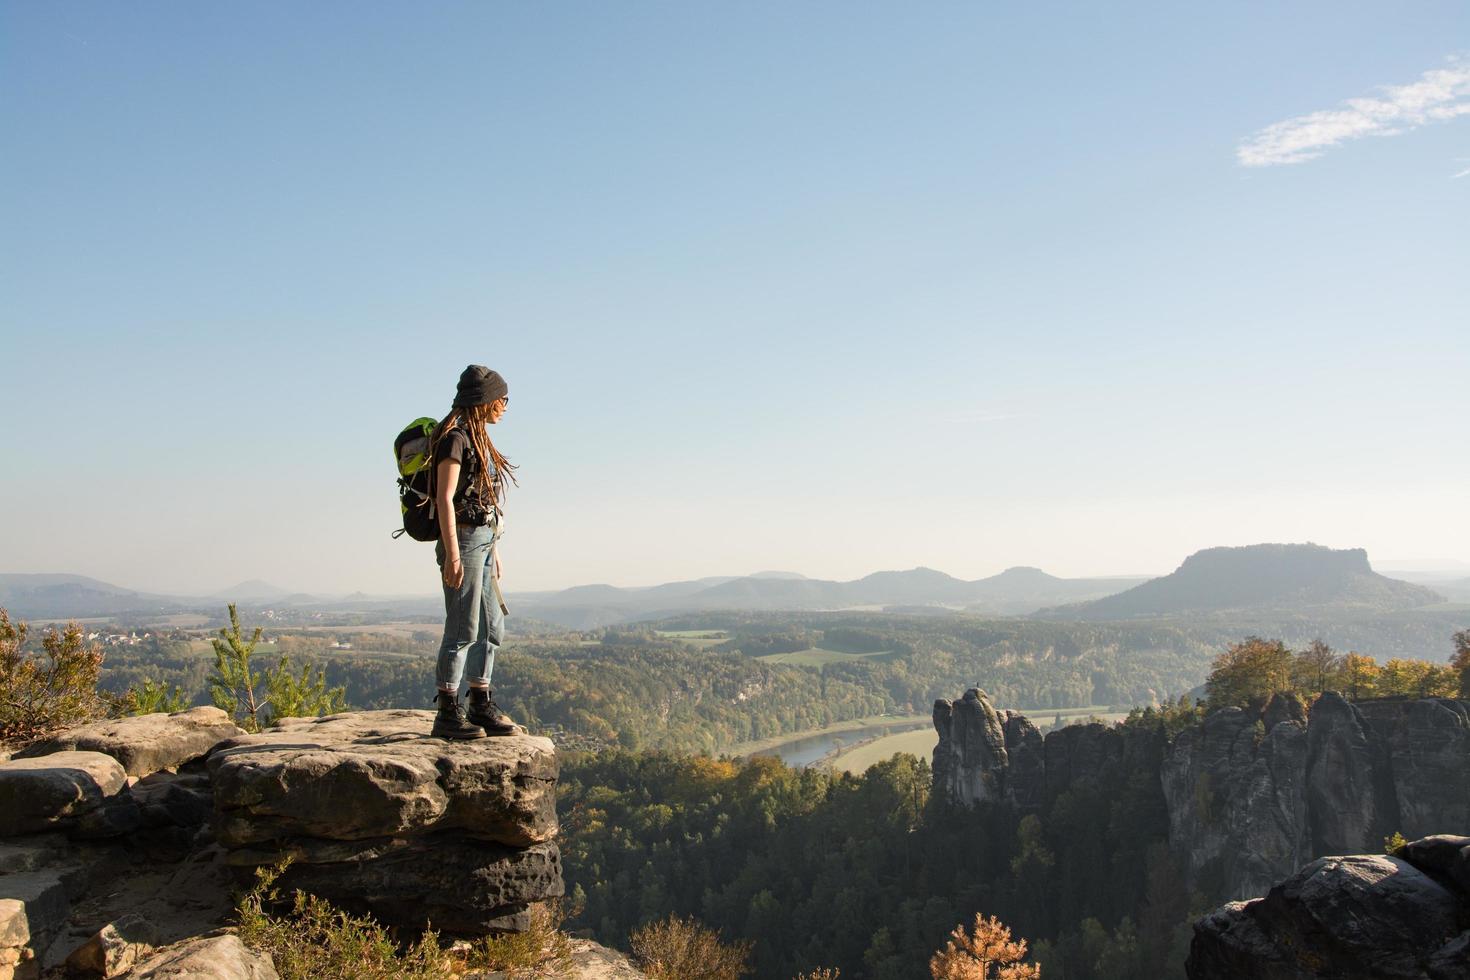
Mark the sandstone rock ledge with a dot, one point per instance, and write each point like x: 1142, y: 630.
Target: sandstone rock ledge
x: 1359, y: 916
x: 379, y: 817
x: 144, y: 744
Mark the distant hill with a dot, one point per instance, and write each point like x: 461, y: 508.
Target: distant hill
x: 1024, y: 590
x: 1457, y: 590
x: 254, y: 590
x: 1262, y: 577
x: 60, y: 596
x: 1012, y: 592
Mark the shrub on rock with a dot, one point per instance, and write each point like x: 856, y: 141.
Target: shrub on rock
x: 42, y: 694
x: 684, y: 949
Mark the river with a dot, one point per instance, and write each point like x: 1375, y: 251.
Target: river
x: 811, y: 748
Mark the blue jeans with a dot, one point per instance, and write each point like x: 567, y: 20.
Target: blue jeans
x: 474, y: 626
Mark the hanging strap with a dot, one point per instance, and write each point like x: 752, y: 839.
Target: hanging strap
x: 495, y: 579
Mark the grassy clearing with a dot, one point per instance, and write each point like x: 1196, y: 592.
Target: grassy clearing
x: 818, y: 656
x: 697, y: 638
x: 857, y: 760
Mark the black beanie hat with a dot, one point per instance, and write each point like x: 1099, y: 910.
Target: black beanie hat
x: 479, y: 385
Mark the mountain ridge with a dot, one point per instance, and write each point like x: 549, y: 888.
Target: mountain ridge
x: 1255, y: 578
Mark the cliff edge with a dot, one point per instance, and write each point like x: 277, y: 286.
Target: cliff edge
x: 1367, y: 916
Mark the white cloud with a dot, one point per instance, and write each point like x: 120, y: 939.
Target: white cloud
x: 1438, y: 95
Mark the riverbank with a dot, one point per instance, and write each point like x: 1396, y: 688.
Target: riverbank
x: 832, y: 744
x: 765, y: 746
x: 856, y: 757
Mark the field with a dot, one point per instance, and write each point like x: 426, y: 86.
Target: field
x: 856, y: 760
x: 817, y: 657
x: 697, y: 638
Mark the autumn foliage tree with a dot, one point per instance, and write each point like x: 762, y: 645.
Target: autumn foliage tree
x: 1360, y: 676
x: 1249, y: 672
x: 1461, y: 661
x: 985, y: 951
x: 41, y: 694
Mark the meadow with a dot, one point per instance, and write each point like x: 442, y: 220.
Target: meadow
x: 819, y: 657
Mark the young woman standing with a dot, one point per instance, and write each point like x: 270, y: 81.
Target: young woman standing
x: 469, y: 480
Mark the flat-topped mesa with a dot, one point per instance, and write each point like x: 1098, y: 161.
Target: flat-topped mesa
x: 380, y: 817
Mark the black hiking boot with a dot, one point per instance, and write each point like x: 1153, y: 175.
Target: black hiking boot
x: 451, y: 723
x: 483, y: 712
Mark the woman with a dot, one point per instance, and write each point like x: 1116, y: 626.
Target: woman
x: 469, y: 479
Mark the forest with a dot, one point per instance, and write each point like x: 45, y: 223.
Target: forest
x: 869, y: 873
x: 865, y: 874
x: 651, y: 687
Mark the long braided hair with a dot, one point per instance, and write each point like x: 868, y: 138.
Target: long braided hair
x: 494, y: 467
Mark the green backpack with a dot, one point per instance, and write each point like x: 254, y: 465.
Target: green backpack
x: 416, y: 480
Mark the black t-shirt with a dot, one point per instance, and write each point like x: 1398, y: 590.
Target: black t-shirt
x: 469, y: 502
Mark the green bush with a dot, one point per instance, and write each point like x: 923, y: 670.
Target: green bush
x: 317, y: 941
x: 683, y: 949
x: 542, y: 951
x: 256, y: 698
x: 42, y: 694
x: 153, y: 697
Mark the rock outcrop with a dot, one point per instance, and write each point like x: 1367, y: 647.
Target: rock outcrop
x: 67, y: 790
x: 970, y: 761
x: 1427, y: 745
x: 988, y: 754
x: 171, y: 812
x: 34, y: 906
x: 379, y: 817
x: 1250, y: 795
x: 1253, y: 796
x: 1236, y: 798
x: 144, y: 744
x: 1363, y: 916
x: 208, y: 958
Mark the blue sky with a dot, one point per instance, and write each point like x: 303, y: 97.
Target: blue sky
x: 822, y: 287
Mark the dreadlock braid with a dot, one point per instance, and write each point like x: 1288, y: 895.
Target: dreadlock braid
x: 494, y: 466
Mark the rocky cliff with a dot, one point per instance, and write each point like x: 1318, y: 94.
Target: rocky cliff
x: 984, y: 754
x: 121, y: 843
x: 1250, y: 795
x: 1255, y: 796
x: 1367, y: 916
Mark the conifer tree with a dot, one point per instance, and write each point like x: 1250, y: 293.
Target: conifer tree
x: 970, y: 954
x: 233, y: 686
x: 245, y: 694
